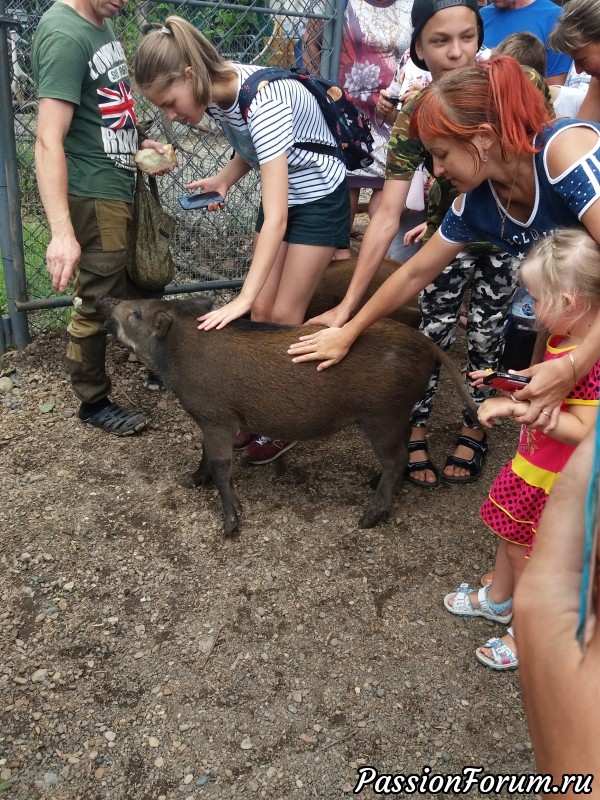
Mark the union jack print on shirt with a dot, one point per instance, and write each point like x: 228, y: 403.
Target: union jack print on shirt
x: 116, y: 106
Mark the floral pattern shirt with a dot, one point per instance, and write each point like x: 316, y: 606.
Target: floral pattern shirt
x: 376, y: 34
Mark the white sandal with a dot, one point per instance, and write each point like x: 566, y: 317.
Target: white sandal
x: 503, y: 656
x: 461, y: 604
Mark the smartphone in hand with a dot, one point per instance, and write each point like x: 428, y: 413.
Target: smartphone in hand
x: 505, y: 381
x: 200, y: 200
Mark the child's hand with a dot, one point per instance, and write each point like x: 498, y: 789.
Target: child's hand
x: 500, y: 407
x: 412, y: 92
x: 477, y: 377
x: 415, y: 234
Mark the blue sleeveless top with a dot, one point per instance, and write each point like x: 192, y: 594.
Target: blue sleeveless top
x: 559, y: 202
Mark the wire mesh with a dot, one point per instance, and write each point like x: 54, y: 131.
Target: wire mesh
x: 206, y: 246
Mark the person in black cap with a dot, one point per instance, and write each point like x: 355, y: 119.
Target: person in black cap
x: 447, y: 34
x: 423, y: 11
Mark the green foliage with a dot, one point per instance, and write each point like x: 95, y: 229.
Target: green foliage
x: 236, y: 35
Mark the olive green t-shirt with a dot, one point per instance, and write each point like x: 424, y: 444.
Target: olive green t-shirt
x: 83, y: 64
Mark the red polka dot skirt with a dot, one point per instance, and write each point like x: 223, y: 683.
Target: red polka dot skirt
x: 513, y: 508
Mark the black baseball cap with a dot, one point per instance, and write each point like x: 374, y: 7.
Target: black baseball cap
x: 423, y: 10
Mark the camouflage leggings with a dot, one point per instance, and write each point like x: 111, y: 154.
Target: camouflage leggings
x: 493, y: 279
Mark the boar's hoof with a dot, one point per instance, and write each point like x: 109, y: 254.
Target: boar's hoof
x: 201, y: 477
x: 230, y: 528
x: 372, y: 516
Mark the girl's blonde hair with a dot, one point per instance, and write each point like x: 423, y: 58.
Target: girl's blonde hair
x: 164, y: 54
x: 565, y: 263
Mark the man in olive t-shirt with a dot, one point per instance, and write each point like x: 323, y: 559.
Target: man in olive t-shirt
x: 86, y: 140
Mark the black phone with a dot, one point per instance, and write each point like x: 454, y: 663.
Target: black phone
x: 393, y: 100
x: 505, y: 381
x: 200, y: 200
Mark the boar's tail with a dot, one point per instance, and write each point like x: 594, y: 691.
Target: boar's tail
x: 458, y: 381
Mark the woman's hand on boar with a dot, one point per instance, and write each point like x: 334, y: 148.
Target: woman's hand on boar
x: 334, y: 318
x: 328, y: 346
x: 220, y: 317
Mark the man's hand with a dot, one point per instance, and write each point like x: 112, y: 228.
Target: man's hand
x: 159, y: 147
x: 62, y: 256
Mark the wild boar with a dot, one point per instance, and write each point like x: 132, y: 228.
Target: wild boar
x: 336, y: 279
x: 241, y: 378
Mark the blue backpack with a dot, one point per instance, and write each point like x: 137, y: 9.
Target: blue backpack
x: 348, y: 124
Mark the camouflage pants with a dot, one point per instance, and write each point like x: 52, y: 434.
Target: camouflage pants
x: 493, y: 279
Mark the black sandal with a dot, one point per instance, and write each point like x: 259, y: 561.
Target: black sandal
x: 114, y: 419
x: 474, y: 464
x: 417, y: 466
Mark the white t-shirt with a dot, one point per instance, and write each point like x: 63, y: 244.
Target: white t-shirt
x: 282, y: 113
x: 568, y: 100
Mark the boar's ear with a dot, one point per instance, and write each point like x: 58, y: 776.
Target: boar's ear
x: 202, y: 304
x: 161, y: 324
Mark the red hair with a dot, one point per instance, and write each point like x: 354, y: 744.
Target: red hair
x: 496, y: 92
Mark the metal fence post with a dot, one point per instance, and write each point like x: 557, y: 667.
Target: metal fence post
x: 336, y: 40
x: 11, y: 232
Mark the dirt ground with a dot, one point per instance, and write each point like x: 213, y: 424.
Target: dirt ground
x: 143, y: 656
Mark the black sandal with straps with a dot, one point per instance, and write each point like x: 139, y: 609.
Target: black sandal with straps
x: 479, y: 449
x: 417, y: 466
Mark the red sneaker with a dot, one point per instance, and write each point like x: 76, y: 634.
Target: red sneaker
x: 243, y: 439
x: 263, y: 450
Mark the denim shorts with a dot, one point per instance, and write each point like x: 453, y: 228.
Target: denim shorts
x: 323, y: 223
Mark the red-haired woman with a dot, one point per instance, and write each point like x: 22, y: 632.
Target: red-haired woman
x: 522, y: 176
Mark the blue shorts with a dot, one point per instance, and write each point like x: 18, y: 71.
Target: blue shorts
x: 323, y: 223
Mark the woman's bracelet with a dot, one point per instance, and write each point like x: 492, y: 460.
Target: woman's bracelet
x: 572, y: 360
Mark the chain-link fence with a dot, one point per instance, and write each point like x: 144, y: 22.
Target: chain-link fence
x: 207, y: 247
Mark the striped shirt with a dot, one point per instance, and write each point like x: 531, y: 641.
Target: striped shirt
x: 282, y: 113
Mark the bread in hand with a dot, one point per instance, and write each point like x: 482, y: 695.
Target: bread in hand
x: 150, y: 161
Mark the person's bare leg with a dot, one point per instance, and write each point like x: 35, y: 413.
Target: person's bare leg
x: 503, y: 584
x: 303, y: 269
x: 340, y: 255
x: 462, y: 451
x: 423, y: 475
x: 374, y: 201
x: 514, y: 554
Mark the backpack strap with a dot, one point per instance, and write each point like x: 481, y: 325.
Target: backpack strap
x: 252, y: 85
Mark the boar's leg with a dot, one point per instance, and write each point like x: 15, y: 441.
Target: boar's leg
x: 391, y: 447
x: 216, y: 462
x: 221, y: 475
x: 202, y: 476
